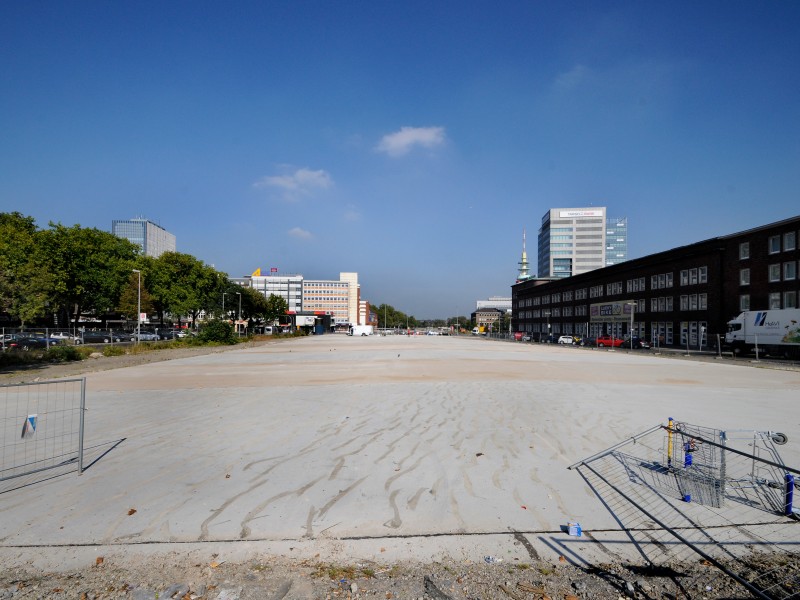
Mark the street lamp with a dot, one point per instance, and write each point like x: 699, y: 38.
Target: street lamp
x: 239, y: 314
x: 547, y: 314
x: 633, y: 310
x: 138, y: 305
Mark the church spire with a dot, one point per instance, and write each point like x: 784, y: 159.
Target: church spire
x: 524, y: 269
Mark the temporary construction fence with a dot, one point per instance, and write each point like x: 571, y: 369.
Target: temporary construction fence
x: 680, y: 491
x: 42, y: 426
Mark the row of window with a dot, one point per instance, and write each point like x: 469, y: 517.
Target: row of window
x: 692, y: 333
x: 776, y: 300
x: 776, y: 243
x: 688, y: 277
x: 777, y: 272
x: 662, y: 304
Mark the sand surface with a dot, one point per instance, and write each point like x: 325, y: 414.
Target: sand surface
x: 393, y: 448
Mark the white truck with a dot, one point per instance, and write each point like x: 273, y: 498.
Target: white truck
x: 360, y: 330
x: 774, y: 332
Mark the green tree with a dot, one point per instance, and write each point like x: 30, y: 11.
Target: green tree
x: 391, y: 318
x: 130, y: 300
x: 276, y: 307
x: 254, y: 305
x: 183, y: 285
x: 89, y: 268
x: 25, y: 280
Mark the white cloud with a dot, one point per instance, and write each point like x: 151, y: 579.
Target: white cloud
x: 402, y: 142
x: 572, y: 78
x: 301, y: 234
x: 301, y: 182
x: 351, y: 213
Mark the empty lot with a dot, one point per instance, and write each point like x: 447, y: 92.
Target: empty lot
x: 389, y: 447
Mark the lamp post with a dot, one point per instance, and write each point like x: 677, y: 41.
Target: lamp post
x: 633, y: 310
x: 547, y: 314
x: 239, y: 314
x: 138, y: 305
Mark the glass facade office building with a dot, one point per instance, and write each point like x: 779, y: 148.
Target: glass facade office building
x: 153, y: 239
x: 616, y: 240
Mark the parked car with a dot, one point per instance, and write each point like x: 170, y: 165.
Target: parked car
x: 145, y: 336
x: 607, y: 340
x: 550, y: 339
x: 526, y: 337
x: 167, y: 334
x: 518, y: 336
x: 634, y: 343
x: 566, y: 340
x: 99, y: 337
x: 27, y: 343
x: 64, y: 336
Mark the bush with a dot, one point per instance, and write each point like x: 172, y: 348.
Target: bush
x: 114, y: 351
x: 217, y: 331
x: 63, y: 354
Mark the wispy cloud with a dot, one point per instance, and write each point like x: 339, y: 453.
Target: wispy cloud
x: 297, y: 183
x: 402, y: 142
x: 299, y: 233
x: 352, y: 213
x: 571, y: 79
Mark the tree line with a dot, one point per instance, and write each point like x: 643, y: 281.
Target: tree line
x: 60, y: 273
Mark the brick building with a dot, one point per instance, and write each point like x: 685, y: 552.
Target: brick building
x: 681, y: 296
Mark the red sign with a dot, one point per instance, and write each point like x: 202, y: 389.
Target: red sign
x: 273, y: 270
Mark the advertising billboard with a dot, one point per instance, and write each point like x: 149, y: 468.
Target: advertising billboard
x: 611, y: 312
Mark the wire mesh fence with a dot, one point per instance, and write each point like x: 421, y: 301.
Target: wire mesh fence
x: 682, y: 491
x: 42, y: 426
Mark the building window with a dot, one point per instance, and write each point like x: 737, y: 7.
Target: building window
x: 744, y: 250
x: 775, y: 300
x: 744, y: 276
x: 789, y: 299
x: 702, y: 302
x: 702, y: 274
x: 684, y: 302
x: 684, y: 277
x: 789, y: 271
x: 669, y: 279
x: 789, y: 242
x: 774, y: 244
x: 774, y: 273
x: 744, y: 302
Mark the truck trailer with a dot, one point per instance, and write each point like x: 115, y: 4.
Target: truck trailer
x: 774, y: 332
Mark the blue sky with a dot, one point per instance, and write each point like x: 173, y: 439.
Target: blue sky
x: 408, y: 141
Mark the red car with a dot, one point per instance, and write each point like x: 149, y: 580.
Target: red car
x: 607, y: 340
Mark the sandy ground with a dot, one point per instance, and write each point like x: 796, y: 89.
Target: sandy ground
x: 373, y: 449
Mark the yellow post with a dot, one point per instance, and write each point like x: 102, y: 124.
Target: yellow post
x: 669, y: 442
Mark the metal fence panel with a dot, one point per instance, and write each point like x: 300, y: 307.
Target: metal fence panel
x: 42, y: 426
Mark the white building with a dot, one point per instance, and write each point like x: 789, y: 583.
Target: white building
x: 288, y: 287
x: 498, y: 302
x: 338, y: 298
x: 572, y: 241
x: 153, y: 239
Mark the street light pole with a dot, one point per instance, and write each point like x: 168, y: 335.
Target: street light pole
x: 138, y: 306
x: 239, y: 314
x: 633, y: 310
